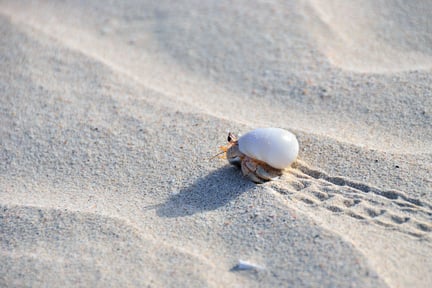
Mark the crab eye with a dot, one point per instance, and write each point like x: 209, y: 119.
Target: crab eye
x: 229, y: 137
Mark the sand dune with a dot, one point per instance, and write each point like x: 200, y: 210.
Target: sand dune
x: 374, y: 36
x: 70, y: 248
x: 109, y: 113
x: 207, y: 69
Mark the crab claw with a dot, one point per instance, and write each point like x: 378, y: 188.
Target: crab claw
x: 222, y: 154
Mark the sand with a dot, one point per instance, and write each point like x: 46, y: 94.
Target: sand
x: 110, y: 110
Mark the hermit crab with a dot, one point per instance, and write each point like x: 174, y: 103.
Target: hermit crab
x: 262, y: 153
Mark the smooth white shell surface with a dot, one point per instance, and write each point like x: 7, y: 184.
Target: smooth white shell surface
x: 274, y: 146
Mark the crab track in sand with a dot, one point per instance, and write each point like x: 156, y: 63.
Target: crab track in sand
x: 390, y: 209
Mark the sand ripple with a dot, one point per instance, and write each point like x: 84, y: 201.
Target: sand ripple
x: 374, y: 36
x: 109, y: 114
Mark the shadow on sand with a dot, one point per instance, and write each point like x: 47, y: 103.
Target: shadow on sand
x: 207, y: 193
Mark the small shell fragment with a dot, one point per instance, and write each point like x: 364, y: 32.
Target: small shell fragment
x: 243, y: 265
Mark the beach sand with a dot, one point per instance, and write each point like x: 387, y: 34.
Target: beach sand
x: 110, y: 111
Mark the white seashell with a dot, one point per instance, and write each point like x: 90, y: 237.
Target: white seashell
x: 243, y: 265
x: 274, y: 146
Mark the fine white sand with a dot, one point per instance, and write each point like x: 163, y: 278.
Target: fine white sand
x: 110, y: 110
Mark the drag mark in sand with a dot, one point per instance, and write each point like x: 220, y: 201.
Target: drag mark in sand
x: 391, y: 209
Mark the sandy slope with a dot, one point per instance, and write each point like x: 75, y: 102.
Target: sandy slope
x: 374, y: 36
x: 109, y: 112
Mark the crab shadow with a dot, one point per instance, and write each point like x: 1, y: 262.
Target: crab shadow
x: 208, y: 193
